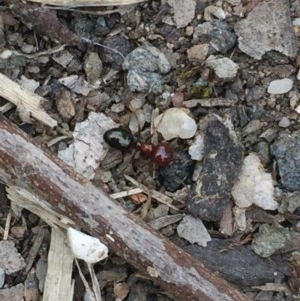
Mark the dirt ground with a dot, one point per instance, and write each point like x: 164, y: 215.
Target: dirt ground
x: 232, y: 71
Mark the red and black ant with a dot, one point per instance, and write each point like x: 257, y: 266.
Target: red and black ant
x: 122, y: 139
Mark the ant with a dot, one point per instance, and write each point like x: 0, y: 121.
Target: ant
x: 123, y: 140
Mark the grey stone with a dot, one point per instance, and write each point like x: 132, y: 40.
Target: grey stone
x: 286, y: 151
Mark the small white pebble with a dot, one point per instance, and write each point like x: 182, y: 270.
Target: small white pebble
x: 5, y: 54
x: 189, y: 30
x: 86, y: 247
x: 296, y: 22
x: 196, y: 150
x: 174, y: 122
x: 284, y: 122
x: 224, y: 67
x: 280, y: 86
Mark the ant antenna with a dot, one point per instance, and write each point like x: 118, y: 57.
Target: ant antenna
x: 88, y: 41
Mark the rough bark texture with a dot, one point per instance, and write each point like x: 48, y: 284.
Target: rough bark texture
x: 24, y: 164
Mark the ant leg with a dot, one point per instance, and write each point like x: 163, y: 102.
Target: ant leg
x: 153, y: 135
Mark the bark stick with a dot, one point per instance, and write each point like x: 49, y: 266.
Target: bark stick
x: 26, y: 165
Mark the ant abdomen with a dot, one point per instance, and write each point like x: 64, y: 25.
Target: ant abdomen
x: 162, y: 154
x: 119, y: 138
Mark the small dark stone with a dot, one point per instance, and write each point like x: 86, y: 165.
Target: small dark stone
x: 221, y: 38
x: 171, y: 33
x: 179, y: 172
x: 239, y: 265
x: 141, y: 291
x: 286, y: 150
x: 104, y: 25
x: 263, y: 152
x: 223, y: 157
x: 119, y: 44
x: 275, y: 57
x: 83, y: 27
x: 101, y: 28
x: 255, y: 93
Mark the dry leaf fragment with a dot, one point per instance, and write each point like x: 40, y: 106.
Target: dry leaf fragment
x: 18, y: 231
x: 139, y: 198
x: 76, y: 84
x: 65, y: 105
x: 121, y: 290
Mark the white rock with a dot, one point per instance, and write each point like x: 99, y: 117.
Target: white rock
x: 193, y: 230
x: 280, y: 86
x: 224, y: 67
x: 215, y: 11
x: 86, y: 247
x: 298, y: 75
x: 254, y: 186
x: 284, y: 122
x: 197, y: 148
x: 240, y: 218
x: 5, y: 54
x: 173, y: 123
x: 296, y: 22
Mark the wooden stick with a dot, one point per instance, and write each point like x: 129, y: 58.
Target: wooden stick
x: 24, y: 164
x: 87, y: 3
x: 25, y: 100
